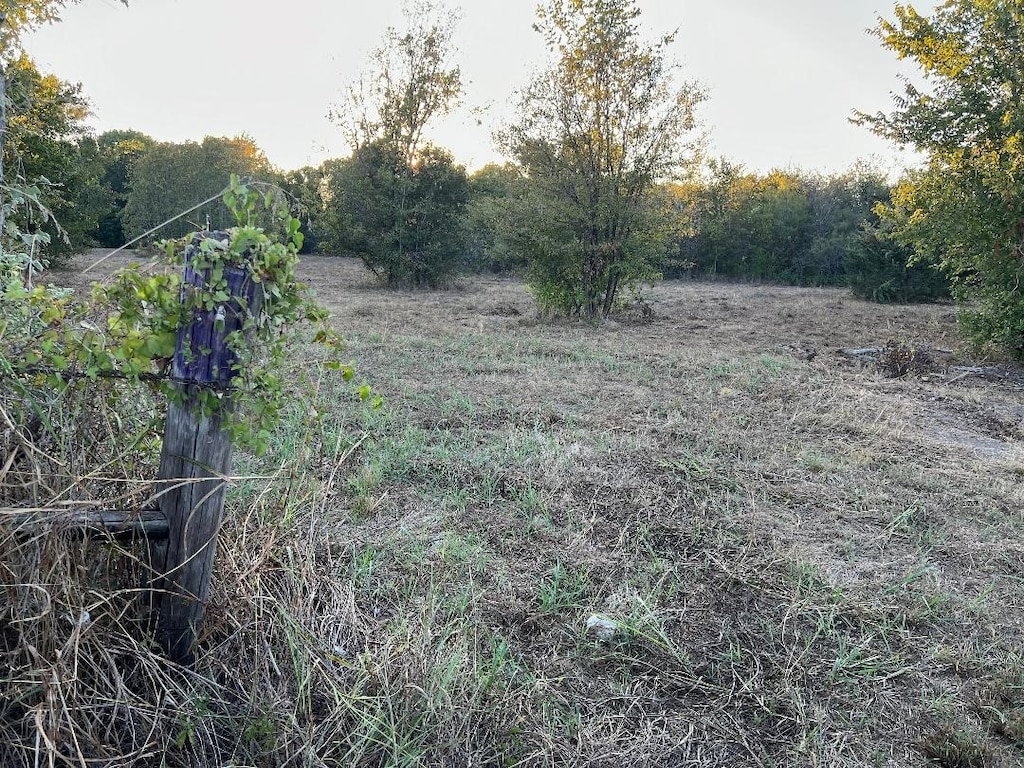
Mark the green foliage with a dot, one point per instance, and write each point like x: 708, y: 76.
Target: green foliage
x: 304, y: 189
x: 21, y: 16
x: 563, y: 588
x: 404, y: 222
x: 965, y: 209
x: 118, y: 153
x: 21, y: 250
x: 785, y: 226
x: 596, y: 132
x: 169, y: 178
x: 409, y: 82
x: 46, y: 145
x: 491, y: 189
x: 128, y: 329
x: 397, y: 203
x: 840, y: 206
x: 883, y: 270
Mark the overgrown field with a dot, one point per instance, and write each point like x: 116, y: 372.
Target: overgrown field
x: 799, y: 558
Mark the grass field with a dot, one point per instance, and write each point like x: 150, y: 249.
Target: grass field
x: 786, y: 556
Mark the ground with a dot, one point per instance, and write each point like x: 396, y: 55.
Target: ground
x: 800, y: 559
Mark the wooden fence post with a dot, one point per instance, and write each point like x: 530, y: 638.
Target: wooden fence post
x: 196, y: 457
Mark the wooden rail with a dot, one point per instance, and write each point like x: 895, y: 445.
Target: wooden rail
x: 117, y: 523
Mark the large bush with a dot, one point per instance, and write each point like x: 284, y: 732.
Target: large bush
x: 404, y: 221
x: 883, y: 270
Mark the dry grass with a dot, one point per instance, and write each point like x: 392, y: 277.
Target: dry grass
x: 805, y: 561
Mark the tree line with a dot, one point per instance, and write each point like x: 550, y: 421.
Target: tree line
x: 605, y: 188
x: 416, y: 217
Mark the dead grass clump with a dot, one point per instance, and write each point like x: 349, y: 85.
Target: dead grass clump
x: 1002, y: 706
x: 899, y: 358
x: 954, y: 747
x: 293, y: 666
x: 504, y: 309
x: 78, y: 681
x: 82, y: 682
x: 635, y: 311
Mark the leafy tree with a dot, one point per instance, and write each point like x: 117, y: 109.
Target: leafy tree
x: 20, y: 16
x: 841, y: 206
x: 305, y: 187
x: 487, y: 245
x: 404, y: 222
x: 169, y: 178
x: 748, y: 226
x: 596, y: 132
x: 966, y: 207
x: 118, y: 152
x: 47, y: 142
x: 20, y: 199
x: 711, y: 243
x: 776, y: 218
x: 398, y: 201
x: 409, y: 83
x: 882, y: 269
x: 785, y: 226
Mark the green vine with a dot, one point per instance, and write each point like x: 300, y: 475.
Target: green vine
x: 21, y: 249
x: 129, y: 328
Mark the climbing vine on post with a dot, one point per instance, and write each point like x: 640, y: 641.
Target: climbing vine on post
x: 129, y: 328
x: 257, y: 345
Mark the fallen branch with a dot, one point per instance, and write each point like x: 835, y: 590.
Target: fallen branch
x: 985, y: 371
x: 876, y: 351
x: 862, y: 352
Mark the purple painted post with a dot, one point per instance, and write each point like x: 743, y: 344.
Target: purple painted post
x: 195, y: 461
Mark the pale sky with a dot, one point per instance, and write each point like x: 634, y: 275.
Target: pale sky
x: 783, y: 76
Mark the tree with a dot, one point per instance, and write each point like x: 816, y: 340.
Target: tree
x: 748, y: 226
x: 966, y: 207
x: 882, y: 269
x: 490, y: 190
x: 20, y: 196
x: 596, y: 132
x: 304, y: 189
x: 708, y: 242
x: 171, y: 178
x: 786, y: 226
x: 47, y: 143
x: 118, y: 153
x: 404, y: 222
x: 409, y: 83
x: 398, y: 201
x: 20, y: 16
x: 841, y: 205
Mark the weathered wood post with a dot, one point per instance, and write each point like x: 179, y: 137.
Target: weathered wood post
x: 196, y: 457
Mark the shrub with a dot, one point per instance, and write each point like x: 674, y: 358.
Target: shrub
x: 404, y: 221
x: 880, y: 270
